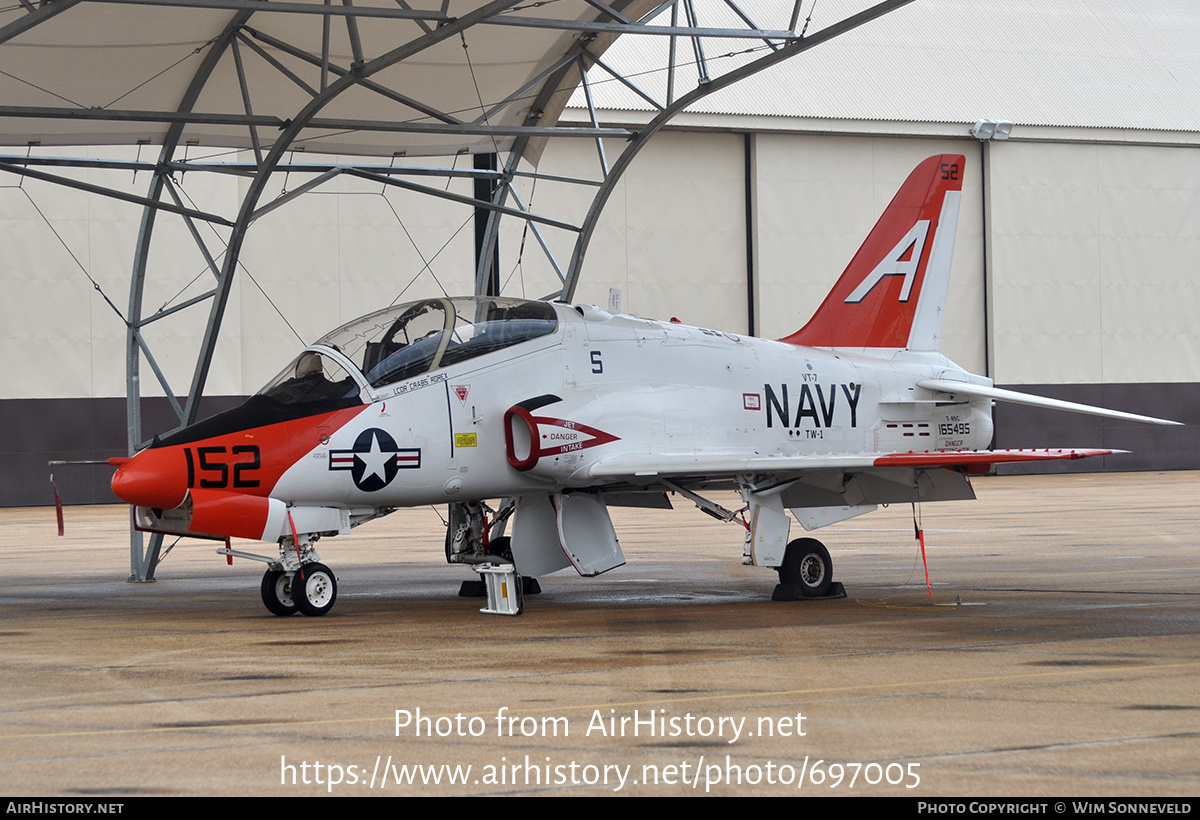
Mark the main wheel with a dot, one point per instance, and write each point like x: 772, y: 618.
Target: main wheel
x: 807, y: 564
x: 501, y: 548
x: 277, y: 592
x: 314, y: 589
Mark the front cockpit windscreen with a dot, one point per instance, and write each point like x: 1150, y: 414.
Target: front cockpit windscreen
x: 313, y: 383
x: 311, y: 378
x: 407, y: 340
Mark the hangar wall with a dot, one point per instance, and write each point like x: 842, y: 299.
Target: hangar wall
x: 1086, y: 290
x: 1094, y: 249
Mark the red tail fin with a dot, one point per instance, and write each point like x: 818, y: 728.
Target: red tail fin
x: 893, y: 293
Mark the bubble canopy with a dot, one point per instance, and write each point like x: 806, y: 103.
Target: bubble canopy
x: 408, y: 340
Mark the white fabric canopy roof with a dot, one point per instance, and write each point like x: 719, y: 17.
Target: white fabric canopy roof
x: 92, y: 73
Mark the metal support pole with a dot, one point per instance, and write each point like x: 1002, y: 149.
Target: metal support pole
x: 751, y: 187
x: 485, y: 191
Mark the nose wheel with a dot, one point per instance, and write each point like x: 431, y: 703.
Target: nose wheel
x: 314, y: 588
x: 311, y: 590
x: 277, y: 592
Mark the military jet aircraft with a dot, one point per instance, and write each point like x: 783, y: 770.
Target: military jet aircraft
x: 543, y: 415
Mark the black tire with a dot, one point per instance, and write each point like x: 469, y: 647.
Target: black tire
x: 806, y: 563
x: 314, y: 589
x: 277, y: 593
x: 501, y: 548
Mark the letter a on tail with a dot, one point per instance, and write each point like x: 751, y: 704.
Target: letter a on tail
x: 893, y: 293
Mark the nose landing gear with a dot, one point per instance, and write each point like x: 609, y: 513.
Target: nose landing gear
x: 296, y: 580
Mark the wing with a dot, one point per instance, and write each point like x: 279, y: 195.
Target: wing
x: 818, y: 489
x: 639, y: 467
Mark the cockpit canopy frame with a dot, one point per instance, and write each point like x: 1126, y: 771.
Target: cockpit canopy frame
x: 404, y: 341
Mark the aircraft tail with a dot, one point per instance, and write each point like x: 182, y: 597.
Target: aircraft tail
x: 893, y: 293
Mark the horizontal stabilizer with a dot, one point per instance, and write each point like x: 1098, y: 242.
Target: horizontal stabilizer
x: 953, y: 388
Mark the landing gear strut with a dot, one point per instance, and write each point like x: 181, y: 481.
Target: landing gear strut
x: 472, y: 539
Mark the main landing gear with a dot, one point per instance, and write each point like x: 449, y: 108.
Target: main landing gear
x: 474, y: 539
x: 806, y: 572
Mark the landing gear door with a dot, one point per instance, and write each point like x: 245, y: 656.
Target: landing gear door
x: 587, y: 535
x: 555, y: 532
x: 813, y: 518
x: 767, y: 535
x: 535, y: 538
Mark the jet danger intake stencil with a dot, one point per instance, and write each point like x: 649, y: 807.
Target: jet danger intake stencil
x: 559, y: 436
x: 547, y: 437
x: 374, y: 460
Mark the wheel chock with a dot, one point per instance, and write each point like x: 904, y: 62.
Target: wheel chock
x: 795, y: 592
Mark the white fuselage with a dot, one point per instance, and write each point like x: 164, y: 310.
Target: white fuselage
x: 623, y: 387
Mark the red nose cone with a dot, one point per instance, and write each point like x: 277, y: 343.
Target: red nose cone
x: 155, y: 478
